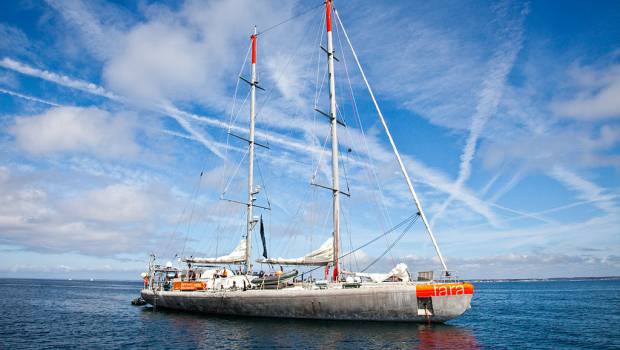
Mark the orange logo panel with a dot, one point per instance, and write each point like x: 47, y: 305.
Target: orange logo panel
x: 188, y: 285
x: 440, y: 290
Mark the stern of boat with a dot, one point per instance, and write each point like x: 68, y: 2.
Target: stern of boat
x: 443, y: 301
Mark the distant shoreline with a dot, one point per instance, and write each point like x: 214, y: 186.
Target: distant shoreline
x: 550, y: 279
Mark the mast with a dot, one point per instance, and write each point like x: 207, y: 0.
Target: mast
x: 334, y: 132
x: 251, y: 192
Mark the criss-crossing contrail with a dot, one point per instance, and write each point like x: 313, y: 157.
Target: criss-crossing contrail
x: 29, y: 98
x: 426, y: 175
x: 492, y: 88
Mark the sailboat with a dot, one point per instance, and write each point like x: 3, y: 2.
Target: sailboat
x: 208, y: 286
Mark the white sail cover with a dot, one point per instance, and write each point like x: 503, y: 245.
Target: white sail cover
x: 399, y: 271
x: 322, y: 256
x: 236, y: 256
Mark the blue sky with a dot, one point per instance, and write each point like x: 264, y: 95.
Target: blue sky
x: 507, y: 114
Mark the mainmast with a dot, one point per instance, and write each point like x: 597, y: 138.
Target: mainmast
x: 334, y: 132
x: 251, y: 192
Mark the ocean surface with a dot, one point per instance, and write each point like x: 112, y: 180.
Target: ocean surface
x: 51, y: 314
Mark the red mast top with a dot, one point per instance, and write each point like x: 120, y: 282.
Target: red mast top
x: 253, y: 48
x: 328, y: 15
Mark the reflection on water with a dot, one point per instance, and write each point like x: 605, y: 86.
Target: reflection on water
x: 204, y: 330
x: 445, y: 337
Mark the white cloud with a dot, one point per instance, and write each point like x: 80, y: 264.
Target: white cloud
x: 597, y: 96
x: 159, y: 60
x: 115, y: 203
x: 38, y: 216
x: 76, y: 129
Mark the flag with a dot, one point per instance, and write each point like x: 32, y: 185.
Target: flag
x: 262, y: 237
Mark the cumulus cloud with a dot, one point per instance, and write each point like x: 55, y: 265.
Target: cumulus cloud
x: 106, y: 221
x: 115, y: 203
x: 159, y: 60
x: 186, y: 54
x: 76, y: 129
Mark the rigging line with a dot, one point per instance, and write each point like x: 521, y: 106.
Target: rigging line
x: 318, y: 62
x: 289, y: 59
x: 260, y: 174
x: 232, y: 109
x: 235, y: 173
x: 290, y: 19
x: 395, y: 150
x: 374, y: 178
x: 400, y: 224
x: 191, y: 215
x: 236, y: 116
x: 407, y: 228
x: 321, y: 154
x: 361, y: 127
x: 289, y: 227
x: 316, y: 101
x: 319, y: 88
x: 411, y: 218
x: 346, y: 178
x: 221, y: 211
x: 167, y: 252
x: 279, y: 77
x: 316, y: 42
x: 346, y: 224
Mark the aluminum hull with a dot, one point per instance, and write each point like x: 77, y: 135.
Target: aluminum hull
x: 370, y: 303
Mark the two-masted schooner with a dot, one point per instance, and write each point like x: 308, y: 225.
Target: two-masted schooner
x: 207, y: 286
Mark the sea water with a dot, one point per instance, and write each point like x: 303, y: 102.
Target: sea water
x: 51, y: 314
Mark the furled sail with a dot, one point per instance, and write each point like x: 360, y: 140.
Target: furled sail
x: 399, y: 272
x: 236, y: 256
x: 322, y: 256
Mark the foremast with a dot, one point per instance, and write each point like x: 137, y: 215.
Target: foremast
x: 251, y: 192
x: 334, y: 135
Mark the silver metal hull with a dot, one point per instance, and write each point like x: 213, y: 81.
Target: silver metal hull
x: 376, y: 303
